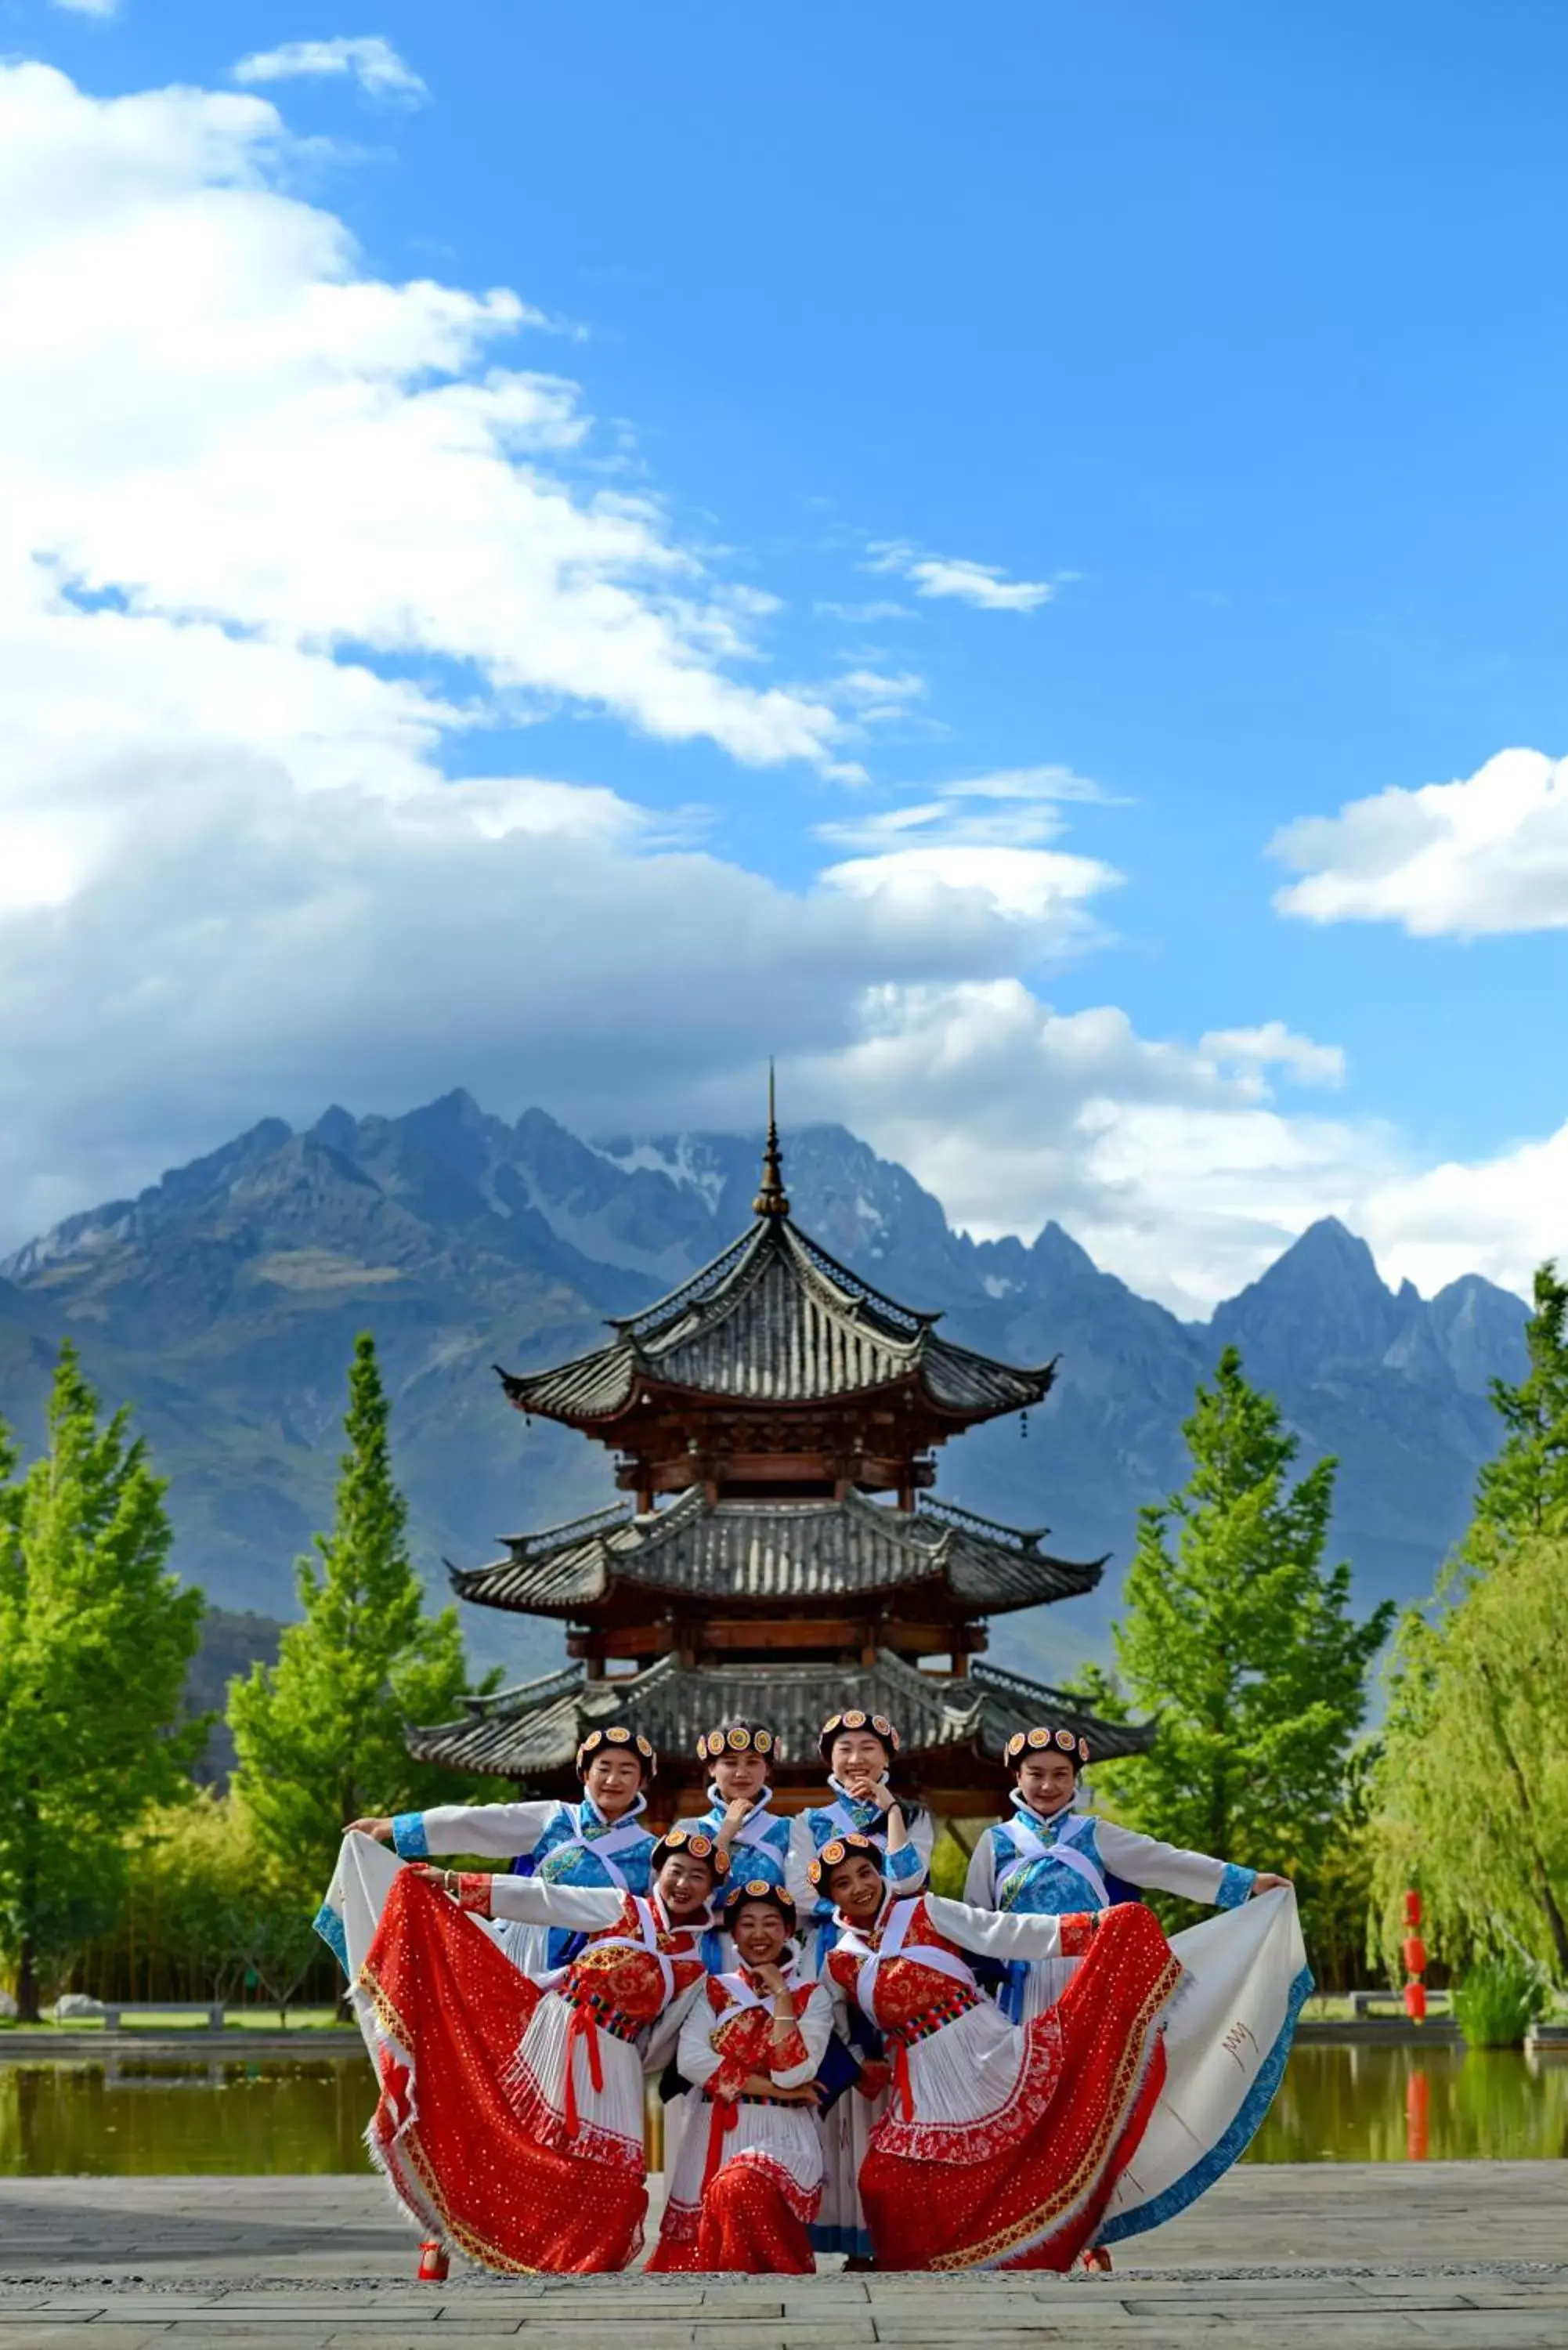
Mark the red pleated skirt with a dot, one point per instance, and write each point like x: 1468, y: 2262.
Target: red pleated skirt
x: 451, y: 2011
x: 1090, y: 2074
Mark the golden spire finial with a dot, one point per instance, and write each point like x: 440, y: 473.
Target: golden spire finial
x: 771, y: 1200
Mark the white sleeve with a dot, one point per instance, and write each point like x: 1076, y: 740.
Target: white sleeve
x: 666, y: 2030
x: 575, y: 1909
x: 802, y: 1852
x: 1168, y: 1868
x: 980, y: 1883
x: 492, y: 1831
x: 696, y: 2057
x: 996, y: 1933
x: 815, y: 2024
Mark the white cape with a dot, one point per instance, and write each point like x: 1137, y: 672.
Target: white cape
x: 1228, y: 2033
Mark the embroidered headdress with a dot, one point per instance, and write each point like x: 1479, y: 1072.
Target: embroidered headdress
x: 843, y: 1849
x: 758, y: 1889
x: 877, y: 1724
x: 618, y: 1741
x: 1046, y: 1739
x: 696, y: 1842
x: 735, y: 1738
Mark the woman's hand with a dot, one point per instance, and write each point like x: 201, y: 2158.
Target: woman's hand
x: 770, y: 1977
x: 381, y: 1829
x: 873, y: 1790
x: 873, y: 2076
x: 1264, y: 1883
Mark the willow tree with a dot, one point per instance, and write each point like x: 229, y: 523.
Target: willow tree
x: 1473, y: 1782
x: 1472, y: 1787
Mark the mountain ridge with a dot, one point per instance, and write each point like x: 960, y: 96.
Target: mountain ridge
x: 223, y: 1302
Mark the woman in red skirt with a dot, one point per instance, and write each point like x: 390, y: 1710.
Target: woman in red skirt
x: 510, y: 2112
x: 1002, y: 2143
x: 748, y: 2176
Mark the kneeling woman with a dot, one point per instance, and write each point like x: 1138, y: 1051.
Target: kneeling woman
x: 1002, y: 2142
x: 748, y: 2178
x: 511, y: 2108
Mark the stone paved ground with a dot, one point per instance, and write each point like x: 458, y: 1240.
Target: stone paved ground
x: 1317, y: 2257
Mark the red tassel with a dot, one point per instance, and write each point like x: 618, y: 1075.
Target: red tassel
x: 902, y: 2089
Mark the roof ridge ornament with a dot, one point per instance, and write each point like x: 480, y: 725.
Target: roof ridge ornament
x: 772, y: 1199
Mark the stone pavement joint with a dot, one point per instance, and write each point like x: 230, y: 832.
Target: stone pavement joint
x: 1307, y: 2257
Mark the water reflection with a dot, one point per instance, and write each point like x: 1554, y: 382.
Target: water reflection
x: 1404, y: 2105
x: 1336, y: 2105
x: 143, y: 2119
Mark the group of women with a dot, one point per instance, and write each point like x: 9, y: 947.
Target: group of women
x: 851, y: 2062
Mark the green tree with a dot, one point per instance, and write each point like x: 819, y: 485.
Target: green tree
x: 319, y: 1735
x: 95, y: 1639
x: 1472, y: 1788
x: 1525, y: 1492
x: 1243, y: 1643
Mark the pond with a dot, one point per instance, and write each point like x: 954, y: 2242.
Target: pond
x: 1336, y: 2105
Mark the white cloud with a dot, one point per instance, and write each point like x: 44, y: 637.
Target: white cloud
x: 1500, y: 1216
x: 1486, y: 855
x: 369, y: 60
x: 1275, y: 1045
x: 210, y: 411
x: 277, y: 533
x: 984, y: 835
x: 982, y: 584
x: 878, y: 609
x: 88, y: 7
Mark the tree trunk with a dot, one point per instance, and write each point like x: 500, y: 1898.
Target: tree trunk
x: 28, y: 1983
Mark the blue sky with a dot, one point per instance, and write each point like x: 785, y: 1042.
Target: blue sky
x: 1238, y: 335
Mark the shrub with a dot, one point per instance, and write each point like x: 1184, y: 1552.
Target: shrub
x: 1498, y: 2001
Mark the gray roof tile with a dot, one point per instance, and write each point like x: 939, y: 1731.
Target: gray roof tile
x: 534, y: 1729
x: 775, y: 1319
x: 762, y: 1551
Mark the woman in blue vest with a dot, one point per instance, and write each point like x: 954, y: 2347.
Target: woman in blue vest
x: 599, y: 1842
x: 754, y: 1839
x: 859, y: 1750
x: 1050, y: 1859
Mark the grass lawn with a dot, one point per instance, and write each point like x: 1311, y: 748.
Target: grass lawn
x: 236, y: 2019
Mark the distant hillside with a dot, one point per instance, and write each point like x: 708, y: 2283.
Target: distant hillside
x: 230, y: 1646
x: 224, y: 1301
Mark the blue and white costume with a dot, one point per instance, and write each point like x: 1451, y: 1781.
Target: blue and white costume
x: 759, y: 1849
x: 1229, y: 2029
x: 1074, y: 1861
x: 840, y: 2224
x: 906, y: 1868
x: 565, y: 1843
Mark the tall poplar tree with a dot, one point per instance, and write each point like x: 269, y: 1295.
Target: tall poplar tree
x: 1243, y: 1644
x: 319, y: 1735
x: 96, y: 1636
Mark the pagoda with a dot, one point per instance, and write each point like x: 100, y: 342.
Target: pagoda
x: 779, y: 1554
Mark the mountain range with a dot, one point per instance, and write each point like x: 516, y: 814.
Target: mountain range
x: 222, y: 1304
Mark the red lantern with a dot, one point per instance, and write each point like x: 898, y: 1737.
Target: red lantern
x: 1412, y: 1907
x: 1415, y: 1955
x: 1416, y: 2002
x: 1416, y: 2099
